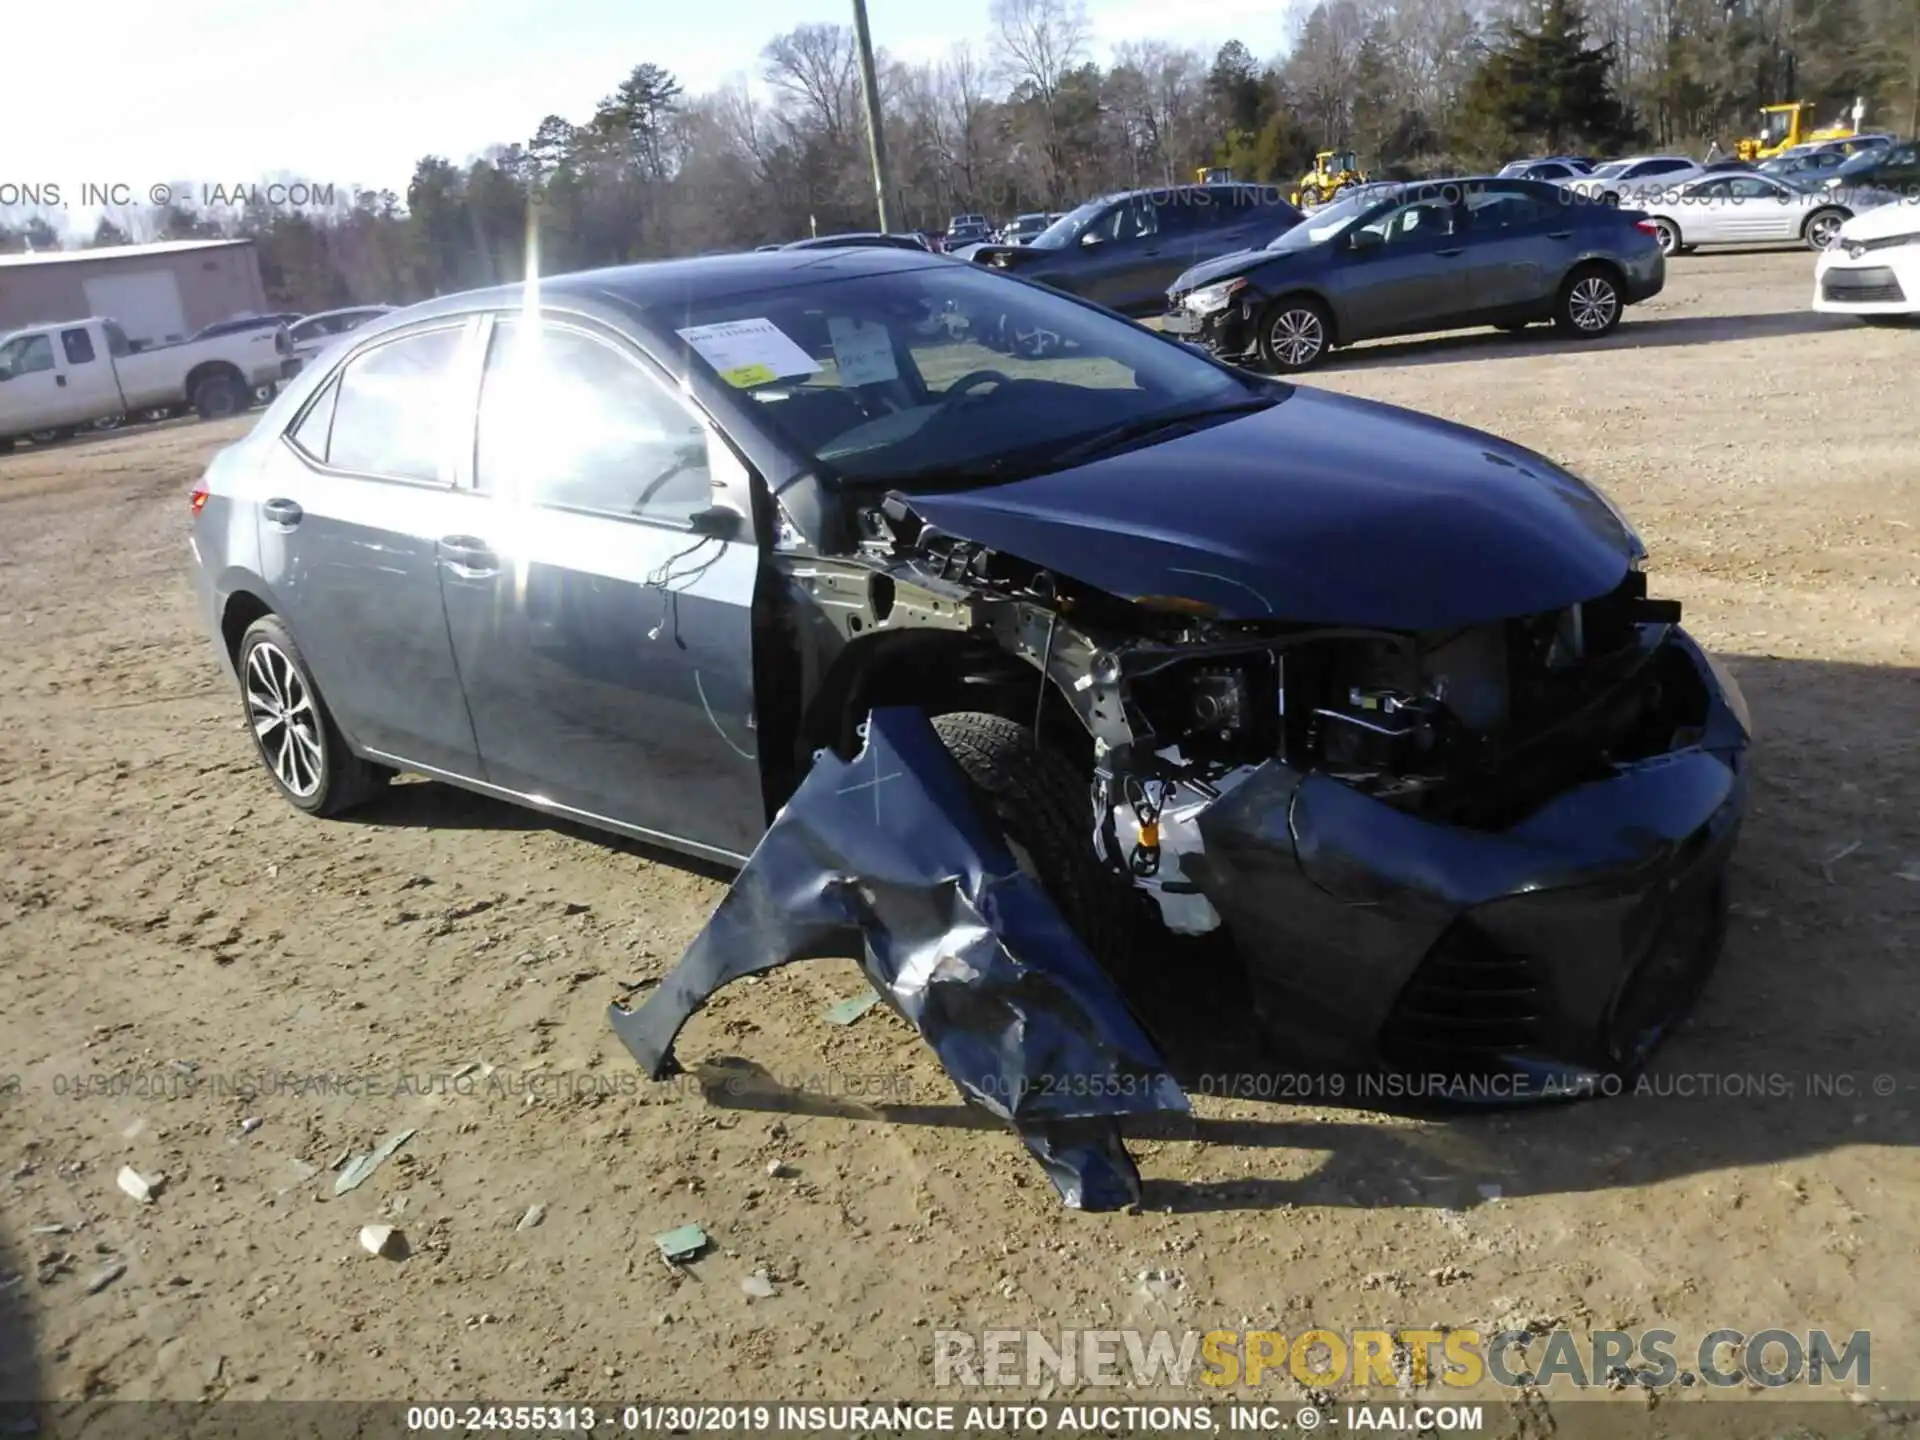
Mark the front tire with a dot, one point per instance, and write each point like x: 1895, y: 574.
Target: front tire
x: 1044, y: 806
x: 1295, y: 334
x: 1590, y: 304
x: 1668, y: 234
x: 294, y: 733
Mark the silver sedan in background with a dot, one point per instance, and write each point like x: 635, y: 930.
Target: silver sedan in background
x: 1737, y: 209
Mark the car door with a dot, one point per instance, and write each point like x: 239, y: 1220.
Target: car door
x: 89, y: 391
x: 1705, y: 212
x: 604, y: 642
x: 30, y: 384
x: 1400, y: 270
x: 1764, y: 209
x: 349, y: 505
x: 1519, y: 243
x: 1121, y: 253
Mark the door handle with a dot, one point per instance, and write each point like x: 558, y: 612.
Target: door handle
x: 283, y: 513
x: 1454, y: 251
x: 467, y: 556
x: 1559, y: 235
x: 60, y: 380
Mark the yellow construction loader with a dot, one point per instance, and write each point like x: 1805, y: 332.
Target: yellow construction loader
x: 1333, y: 171
x: 1784, y: 126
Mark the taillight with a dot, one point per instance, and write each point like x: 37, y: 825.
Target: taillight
x: 1646, y: 227
x: 198, y: 499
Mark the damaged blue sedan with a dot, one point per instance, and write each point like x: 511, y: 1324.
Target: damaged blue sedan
x: 1379, y: 703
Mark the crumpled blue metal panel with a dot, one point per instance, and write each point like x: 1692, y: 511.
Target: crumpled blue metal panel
x: 886, y: 855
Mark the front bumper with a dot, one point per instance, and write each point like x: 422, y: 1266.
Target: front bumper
x: 1882, y: 281
x: 1229, y: 333
x: 1544, y: 957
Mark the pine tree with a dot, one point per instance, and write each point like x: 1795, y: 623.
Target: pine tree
x: 1545, y: 87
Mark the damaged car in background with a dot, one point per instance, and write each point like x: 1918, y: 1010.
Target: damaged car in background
x: 1030, y: 681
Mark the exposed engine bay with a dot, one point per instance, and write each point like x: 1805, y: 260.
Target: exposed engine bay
x: 1473, y: 727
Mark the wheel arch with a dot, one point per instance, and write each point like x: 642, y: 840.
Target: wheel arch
x: 1315, y: 293
x: 211, y: 369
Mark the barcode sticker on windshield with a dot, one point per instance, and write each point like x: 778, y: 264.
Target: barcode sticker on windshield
x: 749, y: 352
x: 862, y: 351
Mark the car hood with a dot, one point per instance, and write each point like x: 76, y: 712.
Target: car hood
x: 1887, y: 217
x: 1323, y: 509
x: 1221, y: 267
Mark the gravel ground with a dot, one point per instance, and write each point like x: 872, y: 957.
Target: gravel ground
x: 172, y: 935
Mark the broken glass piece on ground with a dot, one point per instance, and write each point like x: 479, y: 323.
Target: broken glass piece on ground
x: 361, y: 1167
x: 681, y: 1244
x: 848, y: 1011
x: 886, y: 856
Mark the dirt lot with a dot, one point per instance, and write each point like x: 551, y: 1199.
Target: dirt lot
x: 172, y: 934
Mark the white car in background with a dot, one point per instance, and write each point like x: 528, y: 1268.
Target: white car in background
x: 314, y: 333
x: 1731, y: 208
x: 1623, y: 182
x: 1873, y: 268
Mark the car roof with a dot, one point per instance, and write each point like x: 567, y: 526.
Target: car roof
x: 704, y: 277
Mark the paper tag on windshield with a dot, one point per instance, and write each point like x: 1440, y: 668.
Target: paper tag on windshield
x: 749, y: 352
x: 863, y: 351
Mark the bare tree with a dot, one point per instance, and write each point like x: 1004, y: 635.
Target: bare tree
x: 816, y: 66
x: 1038, y: 43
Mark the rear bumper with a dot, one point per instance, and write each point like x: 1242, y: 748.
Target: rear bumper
x: 1528, y: 961
x: 1645, y: 277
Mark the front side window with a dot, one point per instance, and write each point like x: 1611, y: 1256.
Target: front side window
x: 945, y: 371
x: 27, y: 354
x: 396, y: 412
x: 566, y: 419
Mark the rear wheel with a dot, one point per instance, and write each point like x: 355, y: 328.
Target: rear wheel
x: 1823, y: 228
x: 293, y: 731
x: 1044, y: 806
x: 1589, y: 304
x: 218, y: 396
x: 1668, y: 234
x: 1295, y: 334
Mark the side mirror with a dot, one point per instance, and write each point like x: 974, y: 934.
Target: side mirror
x: 5, y: 374
x: 1366, y: 240
x: 716, y: 522
x: 1090, y: 237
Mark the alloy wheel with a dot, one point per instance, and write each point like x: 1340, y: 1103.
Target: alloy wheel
x: 1297, y: 337
x: 1824, y: 230
x: 1668, y: 236
x: 286, y: 724
x: 1593, y: 304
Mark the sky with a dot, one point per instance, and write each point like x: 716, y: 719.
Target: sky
x: 193, y: 94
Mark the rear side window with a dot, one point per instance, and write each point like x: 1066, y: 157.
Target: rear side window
x: 568, y: 420
x: 394, y: 414
x: 78, y: 345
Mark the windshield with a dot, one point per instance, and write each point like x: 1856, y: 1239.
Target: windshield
x: 1327, y: 223
x: 1064, y: 230
x: 945, y: 373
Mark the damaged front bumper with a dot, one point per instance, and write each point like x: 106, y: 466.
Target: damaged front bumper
x: 1550, y: 954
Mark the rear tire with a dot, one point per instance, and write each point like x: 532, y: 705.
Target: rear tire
x: 1590, y: 304
x: 1044, y: 806
x: 294, y: 733
x: 1668, y: 234
x: 1823, y: 228
x: 219, y: 396
x: 1295, y: 334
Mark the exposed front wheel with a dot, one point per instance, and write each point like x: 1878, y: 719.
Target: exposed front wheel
x: 1590, y: 304
x: 1668, y: 234
x: 1823, y: 228
x: 293, y: 732
x: 1043, y: 805
x: 1295, y: 335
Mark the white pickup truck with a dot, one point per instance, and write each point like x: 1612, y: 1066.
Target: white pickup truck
x: 55, y: 379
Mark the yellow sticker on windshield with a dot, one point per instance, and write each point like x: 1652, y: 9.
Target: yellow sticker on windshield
x: 741, y: 376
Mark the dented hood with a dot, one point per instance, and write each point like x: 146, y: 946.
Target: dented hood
x: 1322, y: 509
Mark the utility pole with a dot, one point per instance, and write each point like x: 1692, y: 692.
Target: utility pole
x: 870, y: 92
